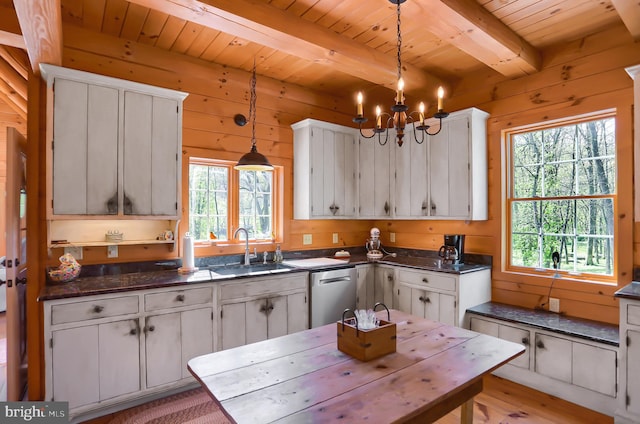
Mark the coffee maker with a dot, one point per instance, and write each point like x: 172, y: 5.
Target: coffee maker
x: 452, y: 251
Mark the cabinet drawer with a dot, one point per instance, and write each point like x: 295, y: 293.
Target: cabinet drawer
x: 633, y: 315
x: 263, y: 287
x: 430, y: 279
x: 177, y: 298
x: 103, y: 308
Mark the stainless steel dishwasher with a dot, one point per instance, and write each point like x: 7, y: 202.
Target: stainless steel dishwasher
x: 332, y: 291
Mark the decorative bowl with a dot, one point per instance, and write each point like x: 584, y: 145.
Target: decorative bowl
x: 64, y: 274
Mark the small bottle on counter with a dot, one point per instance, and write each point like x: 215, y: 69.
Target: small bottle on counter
x: 277, y: 256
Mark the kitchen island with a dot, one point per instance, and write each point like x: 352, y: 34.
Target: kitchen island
x: 303, y: 377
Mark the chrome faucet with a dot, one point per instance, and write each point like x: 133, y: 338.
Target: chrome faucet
x: 247, y: 255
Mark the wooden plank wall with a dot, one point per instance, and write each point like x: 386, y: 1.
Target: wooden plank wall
x: 578, y: 77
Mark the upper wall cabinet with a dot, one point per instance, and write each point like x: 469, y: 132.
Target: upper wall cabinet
x: 457, y: 167
x: 325, y: 161
x: 374, y: 182
x: 115, y: 146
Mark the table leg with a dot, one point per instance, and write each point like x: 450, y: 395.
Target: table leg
x: 466, y: 412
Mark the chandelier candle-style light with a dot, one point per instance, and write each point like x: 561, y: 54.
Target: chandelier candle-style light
x: 400, y: 118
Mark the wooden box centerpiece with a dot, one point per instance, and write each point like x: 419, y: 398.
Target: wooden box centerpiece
x: 366, y: 344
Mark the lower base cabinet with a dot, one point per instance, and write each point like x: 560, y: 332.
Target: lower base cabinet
x: 578, y: 370
x: 629, y: 400
x: 251, y: 312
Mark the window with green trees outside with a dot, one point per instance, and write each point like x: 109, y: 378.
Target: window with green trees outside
x: 562, y: 196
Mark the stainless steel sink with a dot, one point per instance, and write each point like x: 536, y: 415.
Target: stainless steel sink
x: 248, y: 270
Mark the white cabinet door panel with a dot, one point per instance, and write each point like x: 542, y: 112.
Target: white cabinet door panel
x: 163, y: 351
x: 633, y: 372
x: 196, y: 328
x: 553, y: 357
x: 165, y: 156
x: 233, y: 325
x: 600, y: 378
x: 447, y: 309
x: 297, y: 313
x: 256, y: 321
x: 366, y: 178
x: 119, y: 358
x: 137, y: 154
x: 277, y: 316
x: 75, y: 352
x: 458, y: 174
x: 484, y: 326
x: 517, y: 335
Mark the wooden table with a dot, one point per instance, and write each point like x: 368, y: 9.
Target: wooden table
x: 304, y: 378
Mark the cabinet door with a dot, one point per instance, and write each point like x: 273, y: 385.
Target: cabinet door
x: 150, y: 155
x: 344, y: 169
x: 196, y: 335
x: 447, y: 309
x: 256, y: 321
x: 233, y: 323
x: 374, y: 180
x: 449, y: 169
x: 600, y: 378
x: 485, y: 327
x: 75, y: 356
x: 366, y: 178
x: 430, y: 302
x: 403, y: 295
x: 317, y: 161
x: 119, y: 358
x: 383, y: 288
x: 410, y: 177
x: 277, y: 316
x: 364, y: 291
x: 163, y: 351
x: 85, y: 149
x: 517, y: 335
x: 633, y: 371
x: 553, y: 357
x: 297, y: 312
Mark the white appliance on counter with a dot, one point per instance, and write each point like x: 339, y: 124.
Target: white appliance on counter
x: 331, y: 290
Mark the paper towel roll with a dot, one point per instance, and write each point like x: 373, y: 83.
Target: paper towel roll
x: 187, y: 252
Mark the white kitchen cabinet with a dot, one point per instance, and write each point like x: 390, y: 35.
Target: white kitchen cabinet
x: 364, y: 289
x: 115, y: 146
x: 426, y: 304
x: 325, y: 161
x: 629, y: 400
x: 578, y: 370
x: 410, y: 177
x: 383, y: 286
x: 182, y: 318
x: 374, y: 178
x: 505, y: 332
x: 441, y: 296
x: 457, y: 163
x: 106, y: 350
x: 262, y: 308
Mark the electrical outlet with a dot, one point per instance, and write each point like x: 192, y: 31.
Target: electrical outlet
x: 554, y: 304
x: 112, y: 251
x: 335, y: 238
x: 76, y: 252
x: 307, y: 239
x: 392, y: 237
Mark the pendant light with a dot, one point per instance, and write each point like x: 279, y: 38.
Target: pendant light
x: 253, y: 161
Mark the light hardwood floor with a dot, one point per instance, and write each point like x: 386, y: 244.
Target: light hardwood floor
x: 505, y: 402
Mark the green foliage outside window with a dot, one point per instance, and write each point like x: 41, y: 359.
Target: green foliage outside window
x: 562, y: 197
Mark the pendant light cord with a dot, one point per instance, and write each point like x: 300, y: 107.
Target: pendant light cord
x: 252, y: 106
x: 399, y: 44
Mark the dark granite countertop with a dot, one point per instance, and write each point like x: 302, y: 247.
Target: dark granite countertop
x: 113, y: 278
x: 577, y: 327
x: 630, y: 291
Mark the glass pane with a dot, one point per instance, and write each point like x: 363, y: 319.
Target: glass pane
x: 559, y: 179
x: 525, y: 217
x: 557, y: 216
x: 256, y: 195
x: 208, y: 201
x: 594, y: 217
x: 527, y: 181
x: 527, y: 148
x: 524, y: 250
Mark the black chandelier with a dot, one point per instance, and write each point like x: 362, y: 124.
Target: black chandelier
x: 400, y: 117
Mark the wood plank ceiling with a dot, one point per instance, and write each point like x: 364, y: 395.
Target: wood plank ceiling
x: 331, y: 46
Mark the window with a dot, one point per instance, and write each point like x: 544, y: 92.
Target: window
x: 222, y: 199
x: 561, y: 196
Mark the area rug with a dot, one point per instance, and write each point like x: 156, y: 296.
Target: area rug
x: 190, y: 407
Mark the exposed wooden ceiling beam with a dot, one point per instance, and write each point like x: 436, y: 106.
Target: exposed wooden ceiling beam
x: 13, y: 78
x: 629, y: 12
x: 20, y: 64
x: 11, y: 39
x: 13, y: 99
x: 278, y: 29
x: 474, y: 30
x: 41, y: 24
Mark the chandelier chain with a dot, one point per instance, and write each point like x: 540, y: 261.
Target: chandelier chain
x: 399, y: 44
x: 252, y: 105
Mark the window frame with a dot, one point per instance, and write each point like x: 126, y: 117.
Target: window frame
x: 233, y: 199
x: 508, y: 199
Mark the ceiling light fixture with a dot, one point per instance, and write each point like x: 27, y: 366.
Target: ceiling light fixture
x: 400, y: 118
x: 253, y: 161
